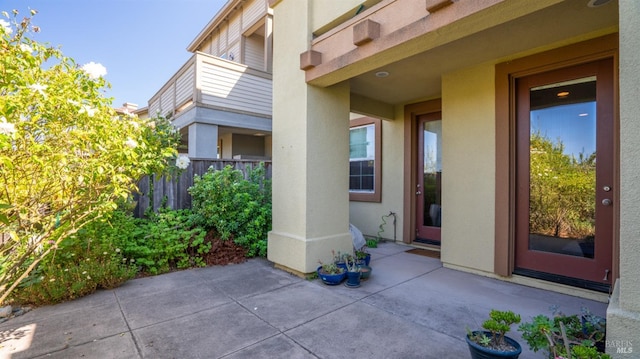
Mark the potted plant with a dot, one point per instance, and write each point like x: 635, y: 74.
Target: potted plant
x: 353, y: 272
x: 365, y: 272
x: 340, y: 259
x: 566, y: 336
x: 492, y: 342
x: 363, y: 257
x: 331, y: 274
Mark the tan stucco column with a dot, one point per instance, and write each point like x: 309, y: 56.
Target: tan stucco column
x: 310, y: 152
x: 623, y: 313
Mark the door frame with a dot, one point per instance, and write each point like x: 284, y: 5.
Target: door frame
x: 411, y: 114
x: 506, y: 75
x: 428, y: 234
x: 574, y: 270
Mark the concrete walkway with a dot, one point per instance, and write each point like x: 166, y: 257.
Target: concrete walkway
x: 411, y: 307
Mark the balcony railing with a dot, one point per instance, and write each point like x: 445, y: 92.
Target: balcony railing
x: 210, y: 81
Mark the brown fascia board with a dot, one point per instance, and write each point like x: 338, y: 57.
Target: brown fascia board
x: 219, y: 17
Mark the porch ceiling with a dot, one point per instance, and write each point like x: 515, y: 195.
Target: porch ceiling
x: 419, y: 76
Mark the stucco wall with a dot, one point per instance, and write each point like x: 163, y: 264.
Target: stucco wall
x: 326, y: 11
x: 623, y: 314
x: 468, y: 168
x: 310, y: 200
x: 227, y: 142
x: 367, y: 215
x: 248, y: 145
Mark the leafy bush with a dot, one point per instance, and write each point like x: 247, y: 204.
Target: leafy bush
x: 165, y: 241
x: 567, y: 336
x: 108, y: 252
x: 77, y: 266
x: 66, y: 158
x: 235, y: 207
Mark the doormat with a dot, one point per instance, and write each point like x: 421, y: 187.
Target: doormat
x: 425, y: 252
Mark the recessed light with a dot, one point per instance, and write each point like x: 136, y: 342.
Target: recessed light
x: 596, y: 3
x: 563, y: 94
x: 382, y: 74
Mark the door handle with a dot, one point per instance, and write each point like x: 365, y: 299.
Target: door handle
x: 418, y: 193
x: 606, y: 202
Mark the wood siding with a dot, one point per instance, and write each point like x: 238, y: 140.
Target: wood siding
x: 174, y: 190
x: 222, y: 84
x: 225, y: 39
x: 234, y: 30
x: 154, y: 107
x: 167, y: 101
x: 254, y: 52
x: 185, y: 86
x: 233, y: 54
x: 225, y: 87
x: 253, y: 11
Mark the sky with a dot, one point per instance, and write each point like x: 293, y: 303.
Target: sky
x: 142, y: 43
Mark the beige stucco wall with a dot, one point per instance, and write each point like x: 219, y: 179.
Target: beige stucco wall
x: 623, y: 314
x: 226, y: 140
x: 468, y: 168
x: 267, y: 146
x: 367, y: 215
x: 248, y: 145
x: 310, y: 192
x: 326, y: 11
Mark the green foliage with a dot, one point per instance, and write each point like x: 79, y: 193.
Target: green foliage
x: 568, y: 336
x: 499, y: 323
x: 587, y: 352
x: 107, y: 252
x: 562, y: 199
x: 372, y: 243
x: 66, y: 158
x: 77, y: 266
x: 235, y: 207
x: 167, y: 240
x: 331, y: 268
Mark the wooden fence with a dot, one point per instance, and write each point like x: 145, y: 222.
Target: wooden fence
x: 172, y: 191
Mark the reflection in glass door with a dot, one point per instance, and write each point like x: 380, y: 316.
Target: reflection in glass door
x: 565, y: 175
x: 429, y: 183
x: 562, y: 162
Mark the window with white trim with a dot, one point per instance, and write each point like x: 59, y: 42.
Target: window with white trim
x: 364, y: 159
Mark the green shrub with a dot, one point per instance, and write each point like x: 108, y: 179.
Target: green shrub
x: 235, y: 207
x: 106, y: 253
x: 166, y: 240
x: 66, y: 157
x: 77, y: 266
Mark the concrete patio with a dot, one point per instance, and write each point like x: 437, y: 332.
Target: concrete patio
x: 411, y: 307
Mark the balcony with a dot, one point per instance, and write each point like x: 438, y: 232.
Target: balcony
x: 210, y: 82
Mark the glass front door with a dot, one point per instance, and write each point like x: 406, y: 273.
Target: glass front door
x: 565, y: 175
x: 429, y: 183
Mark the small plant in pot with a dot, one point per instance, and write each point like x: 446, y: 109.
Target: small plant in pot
x: 365, y: 272
x: 566, y: 336
x: 353, y: 272
x: 363, y: 257
x: 492, y: 342
x: 331, y: 273
x: 340, y: 259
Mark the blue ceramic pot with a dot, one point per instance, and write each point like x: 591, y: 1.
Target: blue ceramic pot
x: 364, y: 261
x: 365, y: 272
x: 331, y: 279
x: 480, y: 352
x: 353, y: 279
